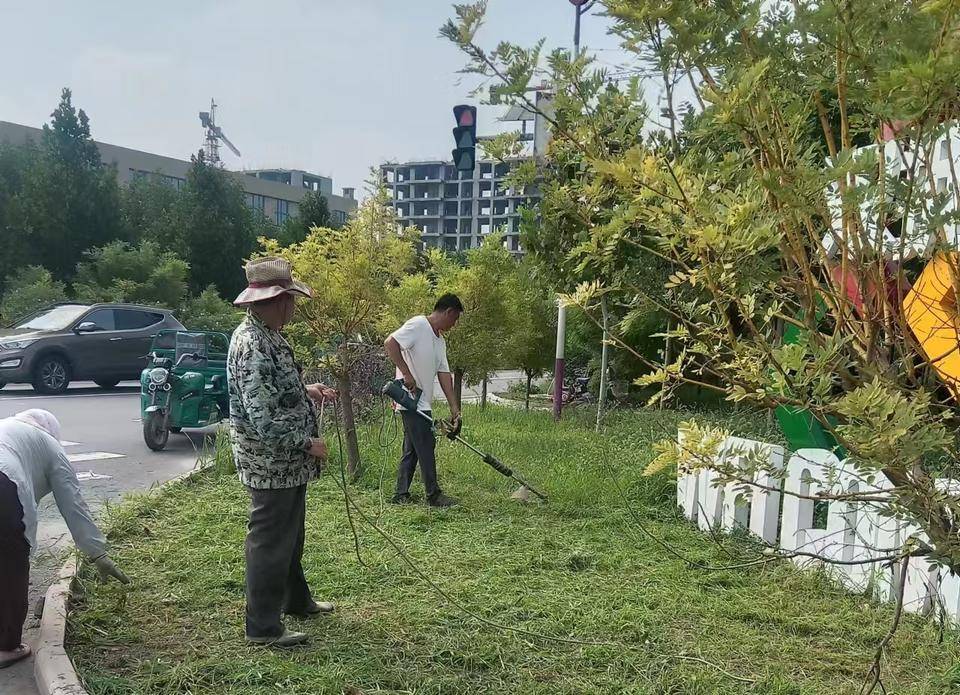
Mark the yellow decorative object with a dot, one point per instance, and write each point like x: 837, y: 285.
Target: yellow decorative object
x: 930, y: 309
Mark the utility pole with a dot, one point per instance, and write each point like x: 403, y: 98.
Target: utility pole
x: 558, y: 365
x: 580, y: 8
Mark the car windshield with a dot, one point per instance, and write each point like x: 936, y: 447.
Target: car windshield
x: 55, y: 319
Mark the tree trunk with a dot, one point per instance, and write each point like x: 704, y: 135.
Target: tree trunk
x: 458, y: 385
x: 604, y: 355
x: 483, y: 393
x: 529, y: 379
x: 349, y: 424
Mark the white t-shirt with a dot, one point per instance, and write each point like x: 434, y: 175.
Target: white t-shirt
x: 425, y: 353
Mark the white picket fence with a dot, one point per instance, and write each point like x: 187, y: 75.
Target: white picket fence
x: 853, y: 531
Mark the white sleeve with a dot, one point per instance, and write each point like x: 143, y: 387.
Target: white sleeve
x: 406, y: 335
x: 73, y: 509
x: 442, y: 365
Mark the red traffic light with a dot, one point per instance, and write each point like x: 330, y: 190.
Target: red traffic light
x: 466, y: 115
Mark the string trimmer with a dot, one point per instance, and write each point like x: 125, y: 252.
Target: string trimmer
x: 399, y: 394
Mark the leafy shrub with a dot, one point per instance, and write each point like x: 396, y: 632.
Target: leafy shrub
x: 30, y: 289
x: 208, y: 311
x: 144, y: 274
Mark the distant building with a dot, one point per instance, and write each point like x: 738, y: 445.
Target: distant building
x: 455, y: 210
x: 274, y: 192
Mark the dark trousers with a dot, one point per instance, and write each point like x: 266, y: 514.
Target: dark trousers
x: 274, y: 549
x: 14, y: 567
x: 419, y: 446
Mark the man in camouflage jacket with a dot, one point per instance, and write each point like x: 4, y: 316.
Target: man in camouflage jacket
x: 277, y: 451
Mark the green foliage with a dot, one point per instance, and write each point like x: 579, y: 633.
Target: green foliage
x: 64, y: 200
x: 15, y: 163
x: 218, y: 229
x: 531, y: 321
x: 29, y: 290
x: 476, y: 346
x: 352, y: 270
x: 412, y: 296
x: 313, y: 211
x: 152, y: 210
x: 209, y: 312
x: 719, y: 227
x: 118, y: 272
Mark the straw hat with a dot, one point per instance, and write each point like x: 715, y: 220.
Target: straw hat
x: 268, y: 278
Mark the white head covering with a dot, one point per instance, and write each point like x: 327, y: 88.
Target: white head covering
x: 42, y: 420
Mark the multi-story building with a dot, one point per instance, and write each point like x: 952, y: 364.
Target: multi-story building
x: 456, y: 209
x: 274, y: 192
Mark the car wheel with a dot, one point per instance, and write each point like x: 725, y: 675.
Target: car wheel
x: 2, y: 384
x: 51, y: 375
x: 155, y: 434
x: 106, y: 383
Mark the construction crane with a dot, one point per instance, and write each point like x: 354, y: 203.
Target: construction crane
x: 214, y: 135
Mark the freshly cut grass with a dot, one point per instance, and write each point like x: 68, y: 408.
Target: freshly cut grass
x: 577, y: 568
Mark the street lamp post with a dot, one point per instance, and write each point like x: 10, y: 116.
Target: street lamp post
x: 580, y: 7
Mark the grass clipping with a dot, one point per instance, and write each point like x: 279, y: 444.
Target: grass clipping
x: 574, y: 569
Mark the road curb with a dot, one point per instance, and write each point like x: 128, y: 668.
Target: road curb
x: 511, y: 403
x: 52, y: 668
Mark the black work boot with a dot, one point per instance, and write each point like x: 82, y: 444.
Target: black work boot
x: 442, y: 500
x: 401, y: 499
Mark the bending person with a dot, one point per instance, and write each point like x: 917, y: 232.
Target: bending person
x: 32, y: 464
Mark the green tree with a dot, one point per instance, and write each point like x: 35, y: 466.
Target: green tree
x: 209, y: 312
x: 312, y: 211
x: 152, y: 210
x: 531, y: 324
x: 70, y: 201
x: 737, y: 213
x: 15, y: 163
x: 412, y: 296
x: 118, y: 272
x: 217, y: 229
x: 351, y: 271
x: 29, y: 290
x: 475, y: 348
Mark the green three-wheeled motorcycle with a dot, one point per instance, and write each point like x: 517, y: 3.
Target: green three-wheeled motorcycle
x: 184, y: 384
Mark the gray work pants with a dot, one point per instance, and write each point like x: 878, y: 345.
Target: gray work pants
x: 419, y: 446
x: 274, y: 548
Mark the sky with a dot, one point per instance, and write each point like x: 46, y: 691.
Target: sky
x: 329, y: 86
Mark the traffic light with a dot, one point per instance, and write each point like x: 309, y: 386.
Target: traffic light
x: 465, y: 137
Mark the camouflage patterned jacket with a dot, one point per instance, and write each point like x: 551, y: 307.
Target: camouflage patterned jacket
x: 271, y: 415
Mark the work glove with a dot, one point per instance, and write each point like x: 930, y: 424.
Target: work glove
x: 106, y: 567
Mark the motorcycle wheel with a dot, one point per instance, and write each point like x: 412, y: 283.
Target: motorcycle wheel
x: 155, y: 432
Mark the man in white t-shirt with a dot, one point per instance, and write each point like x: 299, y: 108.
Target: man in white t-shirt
x: 419, y: 351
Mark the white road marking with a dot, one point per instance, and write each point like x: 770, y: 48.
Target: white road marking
x: 93, y: 456
x: 33, y: 399
x: 90, y: 475
x: 66, y: 442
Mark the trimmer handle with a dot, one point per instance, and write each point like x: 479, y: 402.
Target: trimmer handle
x: 398, y: 392
x: 417, y: 392
x: 494, y: 463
